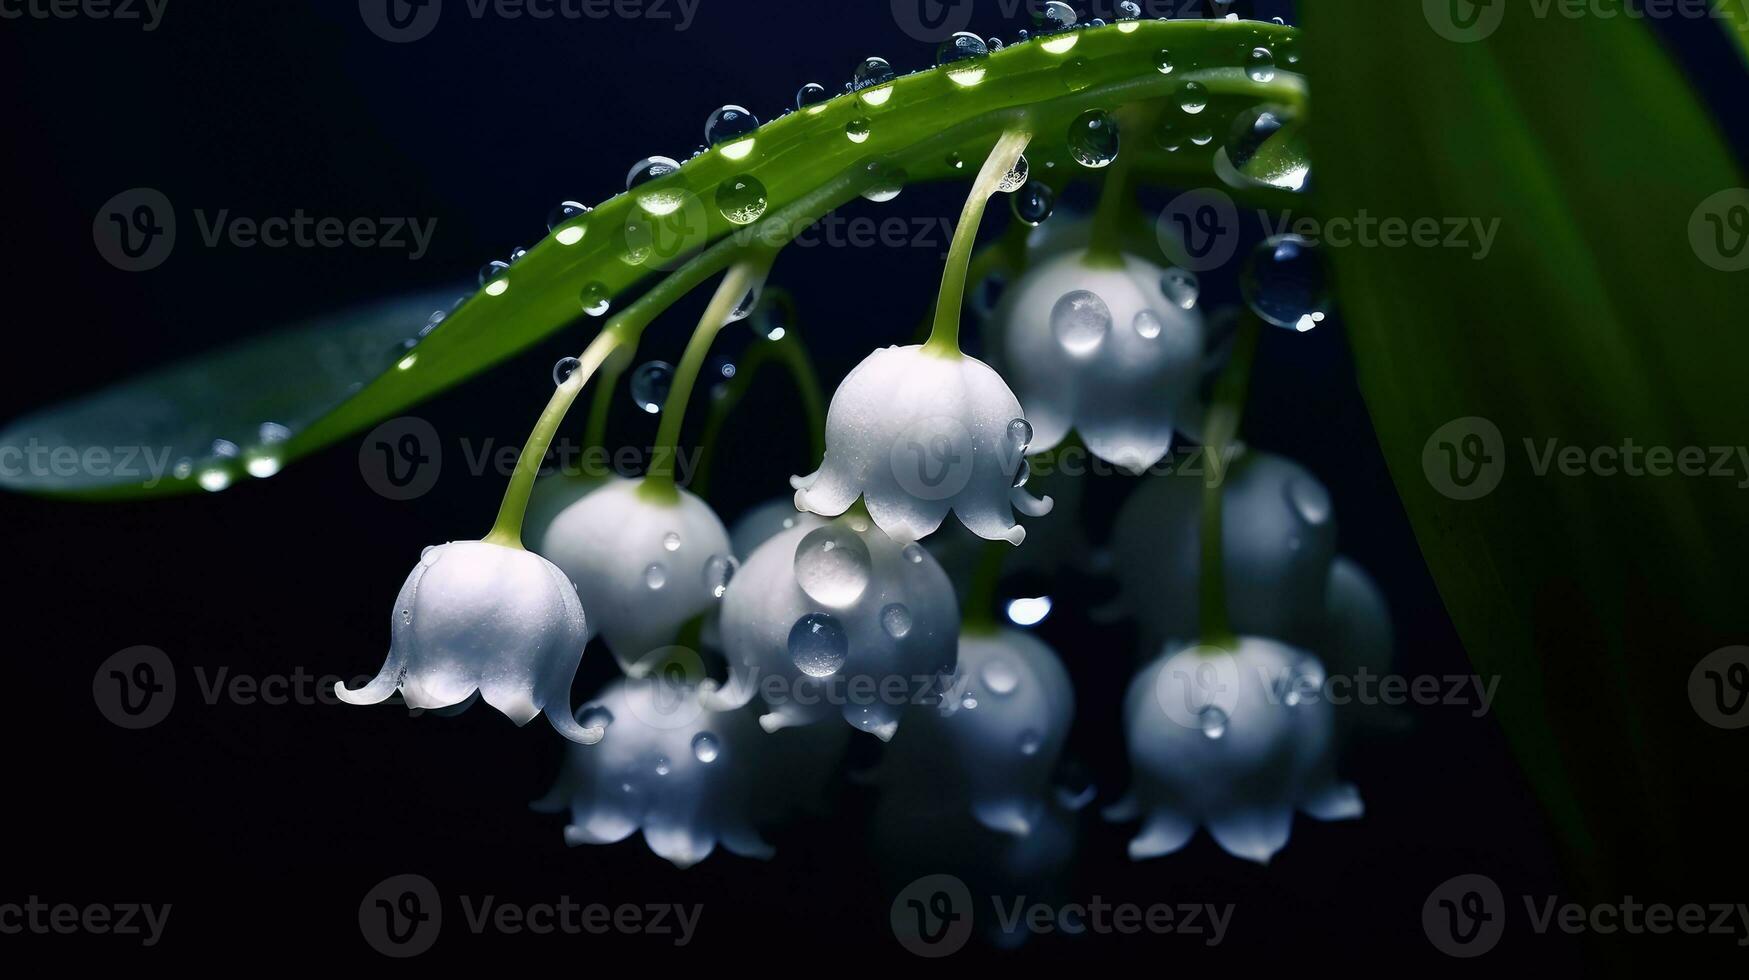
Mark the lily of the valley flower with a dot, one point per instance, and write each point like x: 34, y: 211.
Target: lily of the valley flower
x: 1105, y: 351
x: 477, y: 617
x: 648, y: 565
x: 917, y: 434
x: 992, y: 745
x: 1278, y: 540
x: 683, y: 775
x: 1234, y: 741
x: 838, y: 619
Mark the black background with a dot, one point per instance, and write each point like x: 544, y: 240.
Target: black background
x: 265, y: 825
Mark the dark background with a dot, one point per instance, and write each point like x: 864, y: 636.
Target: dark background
x: 264, y: 826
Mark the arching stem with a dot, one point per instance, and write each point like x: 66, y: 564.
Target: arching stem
x: 1117, y: 200
x: 1219, y: 432
x: 788, y: 351
x: 944, y: 338
x: 978, y: 616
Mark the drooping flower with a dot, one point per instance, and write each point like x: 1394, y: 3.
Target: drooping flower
x: 992, y: 746
x: 649, y: 565
x: 1112, y: 352
x: 1234, y: 741
x: 477, y: 617
x: 838, y: 619
x: 916, y: 435
x: 1278, y: 540
x: 683, y: 775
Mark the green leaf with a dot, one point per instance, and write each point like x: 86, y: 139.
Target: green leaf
x: 1593, y: 319
x: 928, y: 127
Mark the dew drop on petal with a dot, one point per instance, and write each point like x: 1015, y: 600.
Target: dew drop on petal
x: 1149, y: 325
x: 896, y: 620
x: 1020, y: 434
x: 719, y: 570
x: 832, y: 565
x: 1309, y: 500
x: 1213, y: 721
x: 650, y: 384
x: 671, y: 541
x: 1022, y: 473
x: 656, y: 576
x: 1030, y: 741
x: 705, y: 748
x: 1080, y: 322
x: 1000, y: 677
x: 913, y: 553
x: 818, y: 645
x: 1182, y: 287
x: 663, y: 767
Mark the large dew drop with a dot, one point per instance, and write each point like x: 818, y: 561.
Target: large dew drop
x: 833, y: 566
x: 818, y: 646
x: 657, y: 202
x: 1080, y: 322
x: 741, y: 199
x: 1284, y: 282
x: 1093, y: 139
x: 728, y: 124
x: 963, y: 55
x: 650, y: 384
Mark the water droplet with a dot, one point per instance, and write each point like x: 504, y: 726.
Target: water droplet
x: 1033, y: 203
x: 1022, y: 473
x: 1029, y: 611
x: 1309, y: 500
x: 656, y: 576
x: 888, y: 184
x: 705, y: 748
x: 719, y: 570
x: 183, y: 469
x: 1163, y: 61
x: 495, y: 278
x: 563, y: 370
x: 1260, y: 65
x: 1001, y: 677
x: 731, y: 122
x: 663, y: 767
x: 1020, y: 434
x: 818, y: 646
x: 1077, y: 74
x: 272, y: 434
x: 1080, y: 321
x: 956, y: 161
x: 1129, y: 10
x: 1016, y: 177
x: 595, y: 716
x: 1030, y: 741
x: 869, y: 79
x: 968, y: 702
x: 1182, y: 287
x: 666, y: 200
x: 518, y: 254
x: 1059, y: 16
x: 741, y: 199
x: 650, y: 384
x: 811, y: 94
x: 1093, y: 139
x: 1285, y: 165
x: 913, y: 553
x: 896, y: 620
x: 595, y: 299
x: 832, y: 565
x: 964, y: 56
x: 858, y: 130
x: 1284, y: 283
x: 1193, y: 98
x: 564, y: 224
x: 1213, y: 721
x: 1149, y: 325
x: 671, y: 541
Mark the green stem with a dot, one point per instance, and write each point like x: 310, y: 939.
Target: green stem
x: 978, y: 616
x: 743, y: 277
x: 1117, y: 202
x: 1220, y: 430
x: 601, y: 407
x: 790, y: 352
x: 944, y: 339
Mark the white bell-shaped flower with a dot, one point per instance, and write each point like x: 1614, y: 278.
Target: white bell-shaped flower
x: 1113, y: 352
x: 838, y: 619
x: 1359, y: 634
x: 1278, y: 540
x: 1234, y: 741
x: 683, y: 775
x: 767, y: 521
x: 992, y: 745
x: 648, y: 565
x: 916, y: 435
x: 484, y: 618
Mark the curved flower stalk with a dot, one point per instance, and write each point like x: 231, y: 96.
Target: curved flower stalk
x: 1233, y: 741
x: 839, y: 619
x: 1098, y: 346
x: 483, y: 618
x: 992, y: 745
x: 681, y: 774
x: 1278, y: 541
x: 648, y: 566
x: 917, y: 432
